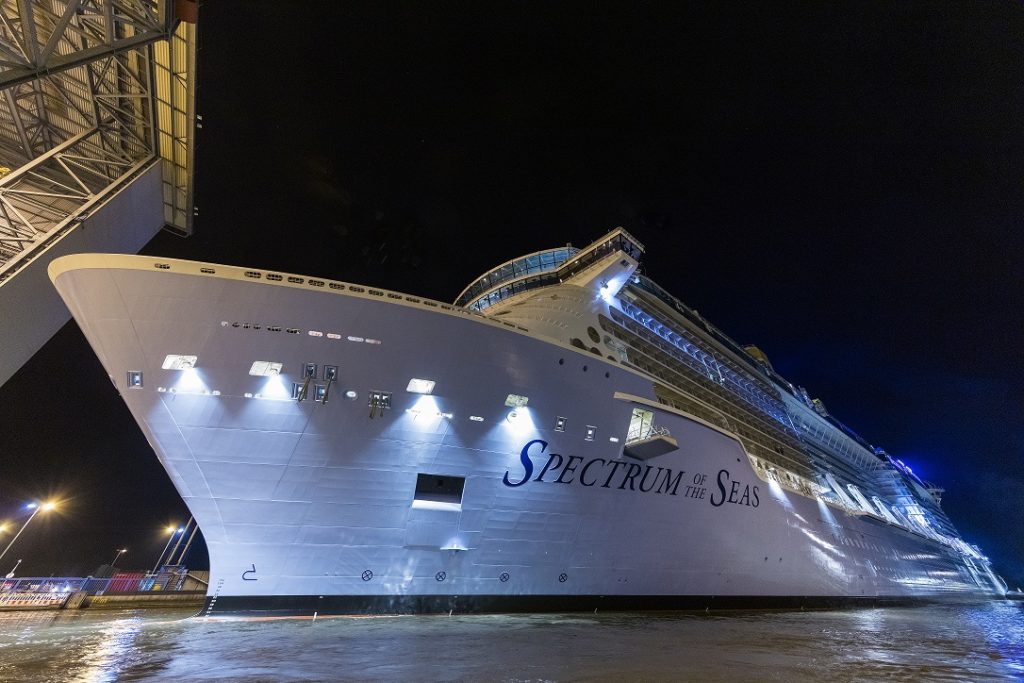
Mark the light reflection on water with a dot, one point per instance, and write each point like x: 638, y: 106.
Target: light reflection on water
x: 939, y: 643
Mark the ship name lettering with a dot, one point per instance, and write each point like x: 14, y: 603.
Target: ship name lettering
x: 738, y: 492
x: 629, y: 476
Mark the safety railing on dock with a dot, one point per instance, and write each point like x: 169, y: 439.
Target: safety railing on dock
x: 53, y: 592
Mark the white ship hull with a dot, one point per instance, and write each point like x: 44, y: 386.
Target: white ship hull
x: 311, y: 506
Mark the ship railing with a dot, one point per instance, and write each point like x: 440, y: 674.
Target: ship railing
x: 509, y: 281
x: 646, y: 432
x: 42, y: 585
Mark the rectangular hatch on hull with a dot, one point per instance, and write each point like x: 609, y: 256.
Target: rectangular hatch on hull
x: 439, y: 491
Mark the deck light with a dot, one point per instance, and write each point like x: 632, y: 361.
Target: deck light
x: 516, y: 401
x: 177, y: 361
x: 519, y: 420
x: 265, y: 368
x: 420, y: 386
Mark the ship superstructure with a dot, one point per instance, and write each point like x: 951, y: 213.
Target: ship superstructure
x: 791, y: 438
x: 568, y: 435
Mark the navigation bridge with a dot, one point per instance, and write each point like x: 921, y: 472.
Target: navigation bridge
x: 97, y: 139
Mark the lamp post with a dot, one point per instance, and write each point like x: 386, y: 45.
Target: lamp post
x: 36, y: 508
x: 10, y: 574
x: 173, y: 531
x: 117, y: 555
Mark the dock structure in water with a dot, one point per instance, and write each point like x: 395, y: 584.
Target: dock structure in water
x: 170, y: 587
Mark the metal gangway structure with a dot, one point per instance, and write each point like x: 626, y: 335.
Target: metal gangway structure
x: 97, y: 143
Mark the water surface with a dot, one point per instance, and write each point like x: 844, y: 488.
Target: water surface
x: 935, y: 643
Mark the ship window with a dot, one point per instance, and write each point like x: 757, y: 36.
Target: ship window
x: 591, y: 433
x: 640, y: 424
x: 594, y: 336
x: 439, y: 488
x: 296, y: 390
x: 330, y: 372
x: 351, y: 395
x: 559, y: 424
x: 309, y: 370
x: 320, y: 393
x: 134, y: 379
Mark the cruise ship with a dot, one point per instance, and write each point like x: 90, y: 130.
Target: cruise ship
x: 565, y: 436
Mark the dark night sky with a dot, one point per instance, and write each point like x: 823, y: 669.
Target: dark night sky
x: 840, y: 184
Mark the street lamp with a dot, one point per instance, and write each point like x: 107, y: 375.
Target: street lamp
x: 10, y: 574
x: 172, y: 531
x: 117, y: 555
x: 35, y: 508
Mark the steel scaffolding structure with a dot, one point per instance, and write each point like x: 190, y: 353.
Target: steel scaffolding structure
x: 94, y: 92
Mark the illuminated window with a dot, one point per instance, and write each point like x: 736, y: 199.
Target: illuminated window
x: 320, y: 393
x: 134, y: 379
x: 351, y: 395
x: 476, y: 418
x: 309, y: 370
x: 265, y: 368
x: 330, y: 372
x: 296, y: 390
x: 176, y: 361
x: 559, y: 424
x: 591, y: 433
x: 516, y: 401
x: 420, y: 386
